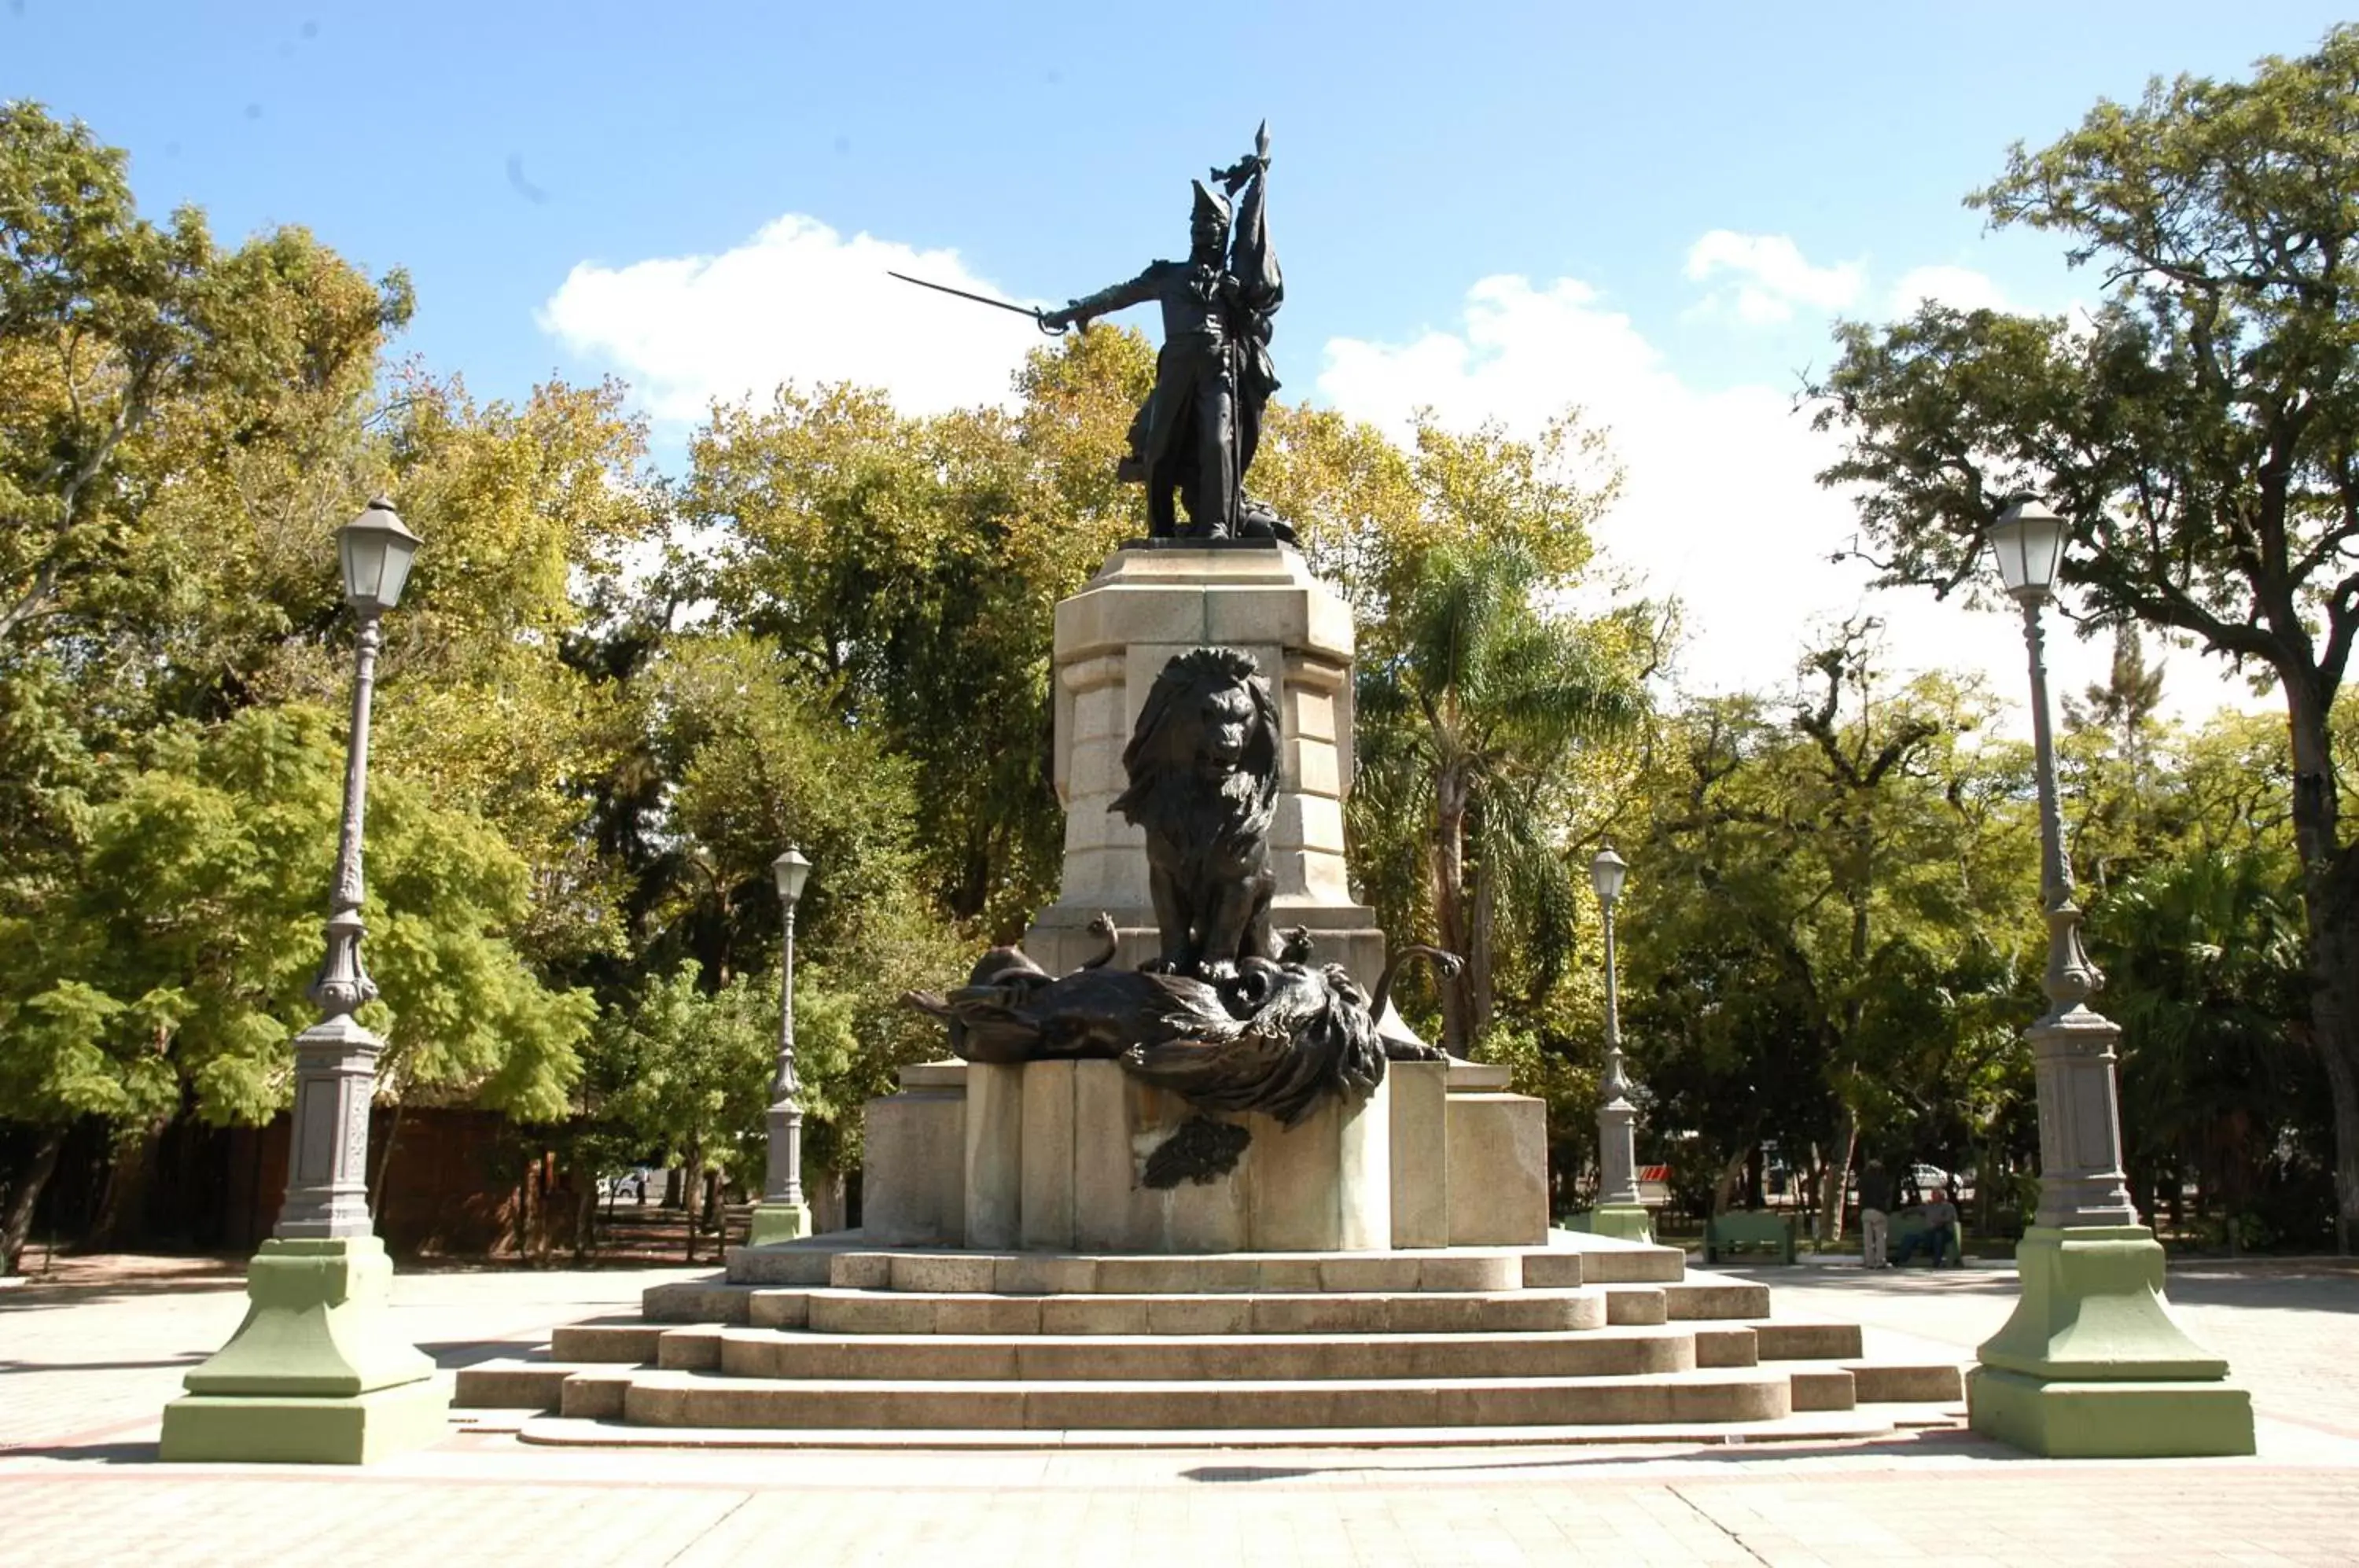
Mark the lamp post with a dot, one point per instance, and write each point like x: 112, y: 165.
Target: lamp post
x: 1619, y: 1212
x: 783, y: 1214
x: 2091, y: 1362
x: 315, y: 1373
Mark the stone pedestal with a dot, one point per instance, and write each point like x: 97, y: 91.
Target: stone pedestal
x: 1421, y: 1166
x: 1051, y: 1157
x: 773, y: 1223
x: 313, y: 1374
x: 2092, y: 1364
x: 913, y: 1161
x: 1155, y: 599
x: 1081, y: 1133
x: 1498, y: 1169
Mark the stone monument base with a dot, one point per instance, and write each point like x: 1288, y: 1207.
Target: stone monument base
x: 1055, y: 1156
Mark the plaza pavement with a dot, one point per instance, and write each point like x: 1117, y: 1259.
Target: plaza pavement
x: 88, y: 1360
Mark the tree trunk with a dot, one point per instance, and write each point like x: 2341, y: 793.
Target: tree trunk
x: 385, y: 1163
x: 2330, y: 906
x: 586, y: 1205
x: 25, y: 1194
x: 131, y: 1169
x: 692, y: 1190
x: 1450, y: 910
x: 1830, y: 1197
x: 1481, y: 927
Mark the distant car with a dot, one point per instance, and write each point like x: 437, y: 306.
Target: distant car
x: 631, y: 1183
x: 1926, y: 1179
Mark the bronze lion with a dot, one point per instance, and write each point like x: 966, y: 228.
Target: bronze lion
x: 1202, y: 765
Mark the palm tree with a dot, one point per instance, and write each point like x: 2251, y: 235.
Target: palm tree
x: 1465, y: 726
x: 2205, y: 964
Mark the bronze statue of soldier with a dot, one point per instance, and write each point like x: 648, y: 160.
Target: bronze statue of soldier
x: 1195, y: 437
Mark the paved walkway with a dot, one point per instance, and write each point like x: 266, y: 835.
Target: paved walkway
x: 86, y: 1367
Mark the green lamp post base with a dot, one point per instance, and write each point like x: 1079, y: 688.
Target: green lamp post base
x: 779, y: 1222
x: 2092, y: 1365
x: 1624, y: 1222
x: 314, y: 1375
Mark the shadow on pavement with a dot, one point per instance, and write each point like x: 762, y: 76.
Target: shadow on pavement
x: 1720, y: 1452
x: 89, y: 1453
x: 450, y: 1353
x: 188, y: 1360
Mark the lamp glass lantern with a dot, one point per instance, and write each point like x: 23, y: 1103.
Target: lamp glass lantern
x: 376, y: 551
x: 1606, y: 873
x: 2028, y: 543
x: 791, y: 870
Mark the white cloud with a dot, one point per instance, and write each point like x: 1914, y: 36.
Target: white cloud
x: 1722, y: 505
x: 1764, y: 276
x: 796, y: 302
x: 1961, y: 288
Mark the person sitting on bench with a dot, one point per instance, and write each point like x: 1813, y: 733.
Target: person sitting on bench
x: 1941, y: 1230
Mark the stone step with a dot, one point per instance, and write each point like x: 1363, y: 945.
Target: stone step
x: 795, y: 1354
x: 1883, y: 1383
x: 1795, y: 1341
x: 631, y: 1340
x: 1595, y: 1263
x: 1092, y: 1274
x: 1315, y: 1312
x: 515, y: 1382
x: 695, y: 1301
x: 1820, y: 1388
x: 702, y: 1400
x: 1707, y: 1297
x: 1875, y: 1383
x: 1860, y: 1428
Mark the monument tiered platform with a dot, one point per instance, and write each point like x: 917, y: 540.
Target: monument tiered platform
x: 834, y: 1342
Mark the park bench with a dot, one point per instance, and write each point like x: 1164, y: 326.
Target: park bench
x: 1748, y: 1227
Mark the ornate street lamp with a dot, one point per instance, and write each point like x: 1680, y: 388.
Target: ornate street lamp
x: 315, y: 1373
x: 1619, y: 1211
x: 782, y: 1215
x: 2091, y: 1362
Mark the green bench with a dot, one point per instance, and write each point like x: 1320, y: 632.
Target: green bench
x: 1748, y: 1227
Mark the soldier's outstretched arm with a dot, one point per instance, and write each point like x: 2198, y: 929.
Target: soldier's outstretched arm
x: 1107, y: 302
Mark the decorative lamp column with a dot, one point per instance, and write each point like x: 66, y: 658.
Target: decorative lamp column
x: 2091, y: 1362
x: 316, y: 1373
x: 782, y: 1215
x: 1618, y: 1212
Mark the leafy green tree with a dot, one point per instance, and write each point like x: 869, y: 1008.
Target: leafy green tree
x: 1826, y: 939
x: 174, y: 975
x: 1465, y: 731
x: 2199, y: 434
x: 688, y: 1069
x: 2205, y: 975
x: 908, y: 570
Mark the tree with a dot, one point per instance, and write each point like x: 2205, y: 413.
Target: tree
x: 1465, y: 730
x: 2203, y: 973
x: 106, y: 323
x: 174, y: 975
x: 690, y: 1068
x: 2201, y: 434
x: 1830, y: 922
x: 908, y: 570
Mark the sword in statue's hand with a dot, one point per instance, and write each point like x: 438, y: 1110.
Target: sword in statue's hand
x: 1039, y: 318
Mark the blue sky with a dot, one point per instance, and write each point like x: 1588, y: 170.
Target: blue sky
x: 1492, y: 208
